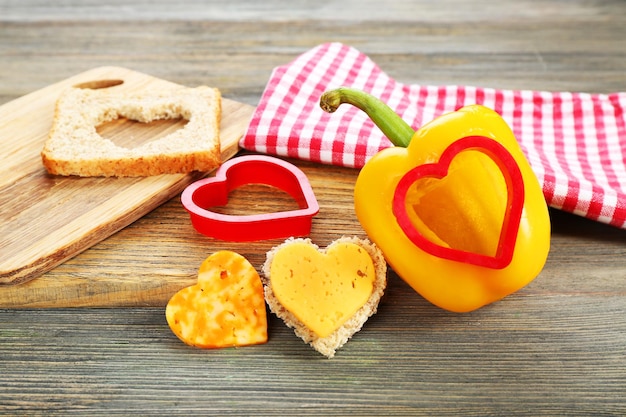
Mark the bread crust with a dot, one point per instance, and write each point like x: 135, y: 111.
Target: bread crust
x: 74, y: 147
x: 328, y: 346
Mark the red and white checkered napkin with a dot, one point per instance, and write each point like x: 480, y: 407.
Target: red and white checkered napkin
x: 575, y: 142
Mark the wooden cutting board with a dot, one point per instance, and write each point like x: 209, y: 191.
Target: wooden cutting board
x: 46, y: 219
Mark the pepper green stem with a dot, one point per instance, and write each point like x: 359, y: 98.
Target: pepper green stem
x: 392, y: 125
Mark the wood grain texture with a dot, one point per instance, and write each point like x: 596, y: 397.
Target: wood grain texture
x: 44, y: 219
x: 555, y: 348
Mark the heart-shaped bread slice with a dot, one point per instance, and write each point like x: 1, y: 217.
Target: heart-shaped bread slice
x: 225, y: 308
x: 325, y: 295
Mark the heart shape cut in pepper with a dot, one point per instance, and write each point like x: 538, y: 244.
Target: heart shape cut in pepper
x: 469, y: 225
x: 200, y: 196
x: 514, y: 184
x: 225, y: 308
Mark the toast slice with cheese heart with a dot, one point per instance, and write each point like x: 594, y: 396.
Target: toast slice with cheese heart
x: 325, y: 295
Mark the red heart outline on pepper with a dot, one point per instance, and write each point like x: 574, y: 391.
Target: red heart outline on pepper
x: 513, y: 211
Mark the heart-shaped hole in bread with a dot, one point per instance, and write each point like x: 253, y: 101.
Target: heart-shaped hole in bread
x: 130, y: 134
x: 99, y: 84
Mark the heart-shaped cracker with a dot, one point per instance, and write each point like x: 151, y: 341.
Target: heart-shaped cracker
x: 225, y: 308
x: 325, y: 295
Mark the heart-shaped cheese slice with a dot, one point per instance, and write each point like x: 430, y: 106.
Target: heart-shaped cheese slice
x: 322, y: 289
x: 225, y: 308
x: 325, y: 295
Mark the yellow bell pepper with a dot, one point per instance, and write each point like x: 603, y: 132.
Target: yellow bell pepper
x: 455, y: 206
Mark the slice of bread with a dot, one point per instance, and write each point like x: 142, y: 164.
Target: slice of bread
x: 328, y: 345
x: 74, y: 146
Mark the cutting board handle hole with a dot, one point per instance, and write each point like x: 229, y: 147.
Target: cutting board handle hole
x: 98, y: 84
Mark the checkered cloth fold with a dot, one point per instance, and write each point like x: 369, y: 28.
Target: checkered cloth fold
x: 575, y: 142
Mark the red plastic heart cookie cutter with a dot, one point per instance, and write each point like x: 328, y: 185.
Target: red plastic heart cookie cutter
x: 201, y: 195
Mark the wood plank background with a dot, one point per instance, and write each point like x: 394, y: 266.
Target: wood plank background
x: 555, y: 348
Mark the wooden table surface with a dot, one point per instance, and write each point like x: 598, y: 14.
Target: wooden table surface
x: 557, y: 347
